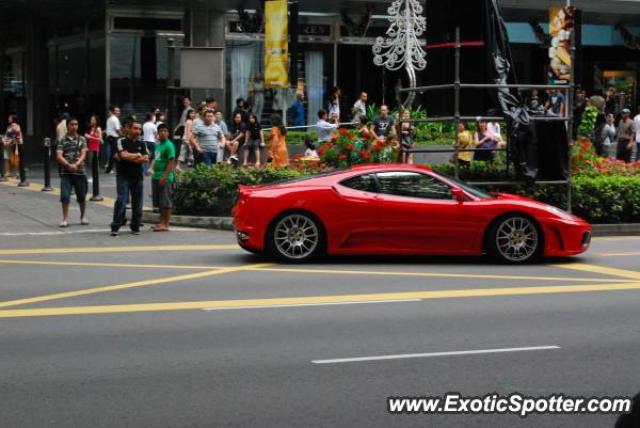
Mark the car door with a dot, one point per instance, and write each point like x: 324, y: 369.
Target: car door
x: 418, y: 213
x: 355, y: 215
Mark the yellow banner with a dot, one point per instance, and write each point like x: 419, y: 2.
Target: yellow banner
x: 276, y: 44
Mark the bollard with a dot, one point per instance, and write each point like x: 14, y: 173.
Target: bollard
x: 23, y: 174
x: 95, y: 176
x: 47, y: 165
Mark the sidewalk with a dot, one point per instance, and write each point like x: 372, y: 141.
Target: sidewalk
x: 29, y: 210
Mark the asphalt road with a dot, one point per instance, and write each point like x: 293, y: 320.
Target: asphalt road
x: 183, y: 329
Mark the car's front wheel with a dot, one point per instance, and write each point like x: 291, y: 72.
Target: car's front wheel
x: 515, y: 239
x: 296, y: 237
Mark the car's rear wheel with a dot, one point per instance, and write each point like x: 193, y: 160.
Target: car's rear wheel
x: 515, y: 239
x: 296, y: 237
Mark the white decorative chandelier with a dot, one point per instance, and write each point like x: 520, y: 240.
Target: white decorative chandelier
x: 401, y: 47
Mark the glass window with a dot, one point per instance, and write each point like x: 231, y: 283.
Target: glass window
x: 413, y: 184
x: 366, y: 183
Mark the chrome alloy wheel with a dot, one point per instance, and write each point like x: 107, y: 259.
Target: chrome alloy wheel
x: 296, y: 236
x: 517, y: 239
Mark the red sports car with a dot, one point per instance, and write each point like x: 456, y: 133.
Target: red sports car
x: 400, y: 209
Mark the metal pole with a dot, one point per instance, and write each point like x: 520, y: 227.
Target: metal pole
x: 47, y: 165
x: 23, y: 173
x: 95, y: 177
x: 569, y: 116
x: 170, y: 80
x: 456, y: 102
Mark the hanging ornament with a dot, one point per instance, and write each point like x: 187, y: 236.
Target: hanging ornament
x: 402, y: 47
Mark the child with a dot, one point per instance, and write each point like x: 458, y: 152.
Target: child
x: 163, y: 178
x: 311, y: 152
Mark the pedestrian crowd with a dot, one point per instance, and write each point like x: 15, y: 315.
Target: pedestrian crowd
x: 143, y: 148
x: 616, y: 133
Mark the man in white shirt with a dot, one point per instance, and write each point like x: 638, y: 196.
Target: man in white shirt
x: 150, y: 138
x: 113, y: 131
x: 636, y: 121
x: 360, y: 107
x: 61, y: 128
x: 325, y: 129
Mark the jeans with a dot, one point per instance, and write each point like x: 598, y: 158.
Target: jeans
x: 638, y: 150
x: 208, y: 158
x: 126, y: 186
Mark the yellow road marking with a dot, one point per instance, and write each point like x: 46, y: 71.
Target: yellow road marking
x: 584, y: 267
x: 98, y: 264
x: 127, y: 249
x: 312, y: 271
x: 288, y: 301
x: 108, y: 288
x: 433, y: 274
x: 37, y: 187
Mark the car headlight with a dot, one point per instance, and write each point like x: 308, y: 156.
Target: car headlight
x: 561, y: 213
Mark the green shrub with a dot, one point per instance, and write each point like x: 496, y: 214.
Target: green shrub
x: 213, y: 192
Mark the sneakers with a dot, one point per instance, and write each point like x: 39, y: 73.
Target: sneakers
x: 84, y: 221
x: 64, y: 224
x: 114, y: 233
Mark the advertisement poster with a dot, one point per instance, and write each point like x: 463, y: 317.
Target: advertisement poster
x: 561, y: 27
x: 276, y: 45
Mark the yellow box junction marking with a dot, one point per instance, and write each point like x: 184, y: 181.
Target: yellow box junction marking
x: 108, y: 288
x: 583, y: 267
x: 293, y: 301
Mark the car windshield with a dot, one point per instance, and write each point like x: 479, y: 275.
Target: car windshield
x: 304, y: 178
x: 469, y: 188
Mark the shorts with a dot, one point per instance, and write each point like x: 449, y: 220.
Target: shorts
x: 162, y: 194
x: 252, y: 145
x: 76, y: 181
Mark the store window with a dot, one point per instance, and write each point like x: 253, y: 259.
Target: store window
x: 13, y: 83
x: 139, y: 70
x: 245, y: 67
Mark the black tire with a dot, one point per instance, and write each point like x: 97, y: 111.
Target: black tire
x: 515, y: 239
x: 296, y: 237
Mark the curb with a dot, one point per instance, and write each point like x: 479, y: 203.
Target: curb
x: 226, y: 223
x: 219, y: 223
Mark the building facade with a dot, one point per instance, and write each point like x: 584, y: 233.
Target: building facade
x: 79, y: 57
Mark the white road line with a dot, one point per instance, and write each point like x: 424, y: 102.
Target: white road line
x: 312, y: 304
x: 83, y: 231
x: 433, y: 354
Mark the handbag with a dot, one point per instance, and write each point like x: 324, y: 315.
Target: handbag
x: 14, y: 157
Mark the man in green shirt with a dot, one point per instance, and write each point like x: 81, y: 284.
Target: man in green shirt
x: 163, y: 178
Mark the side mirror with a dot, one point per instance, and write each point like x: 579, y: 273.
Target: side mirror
x: 458, y: 195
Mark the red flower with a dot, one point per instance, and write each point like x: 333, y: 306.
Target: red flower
x: 343, y: 131
x: 350, y: 147
x: 342, y: 157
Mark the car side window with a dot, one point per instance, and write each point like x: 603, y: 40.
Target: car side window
x: 365, y: 183
x: 413, y: 185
